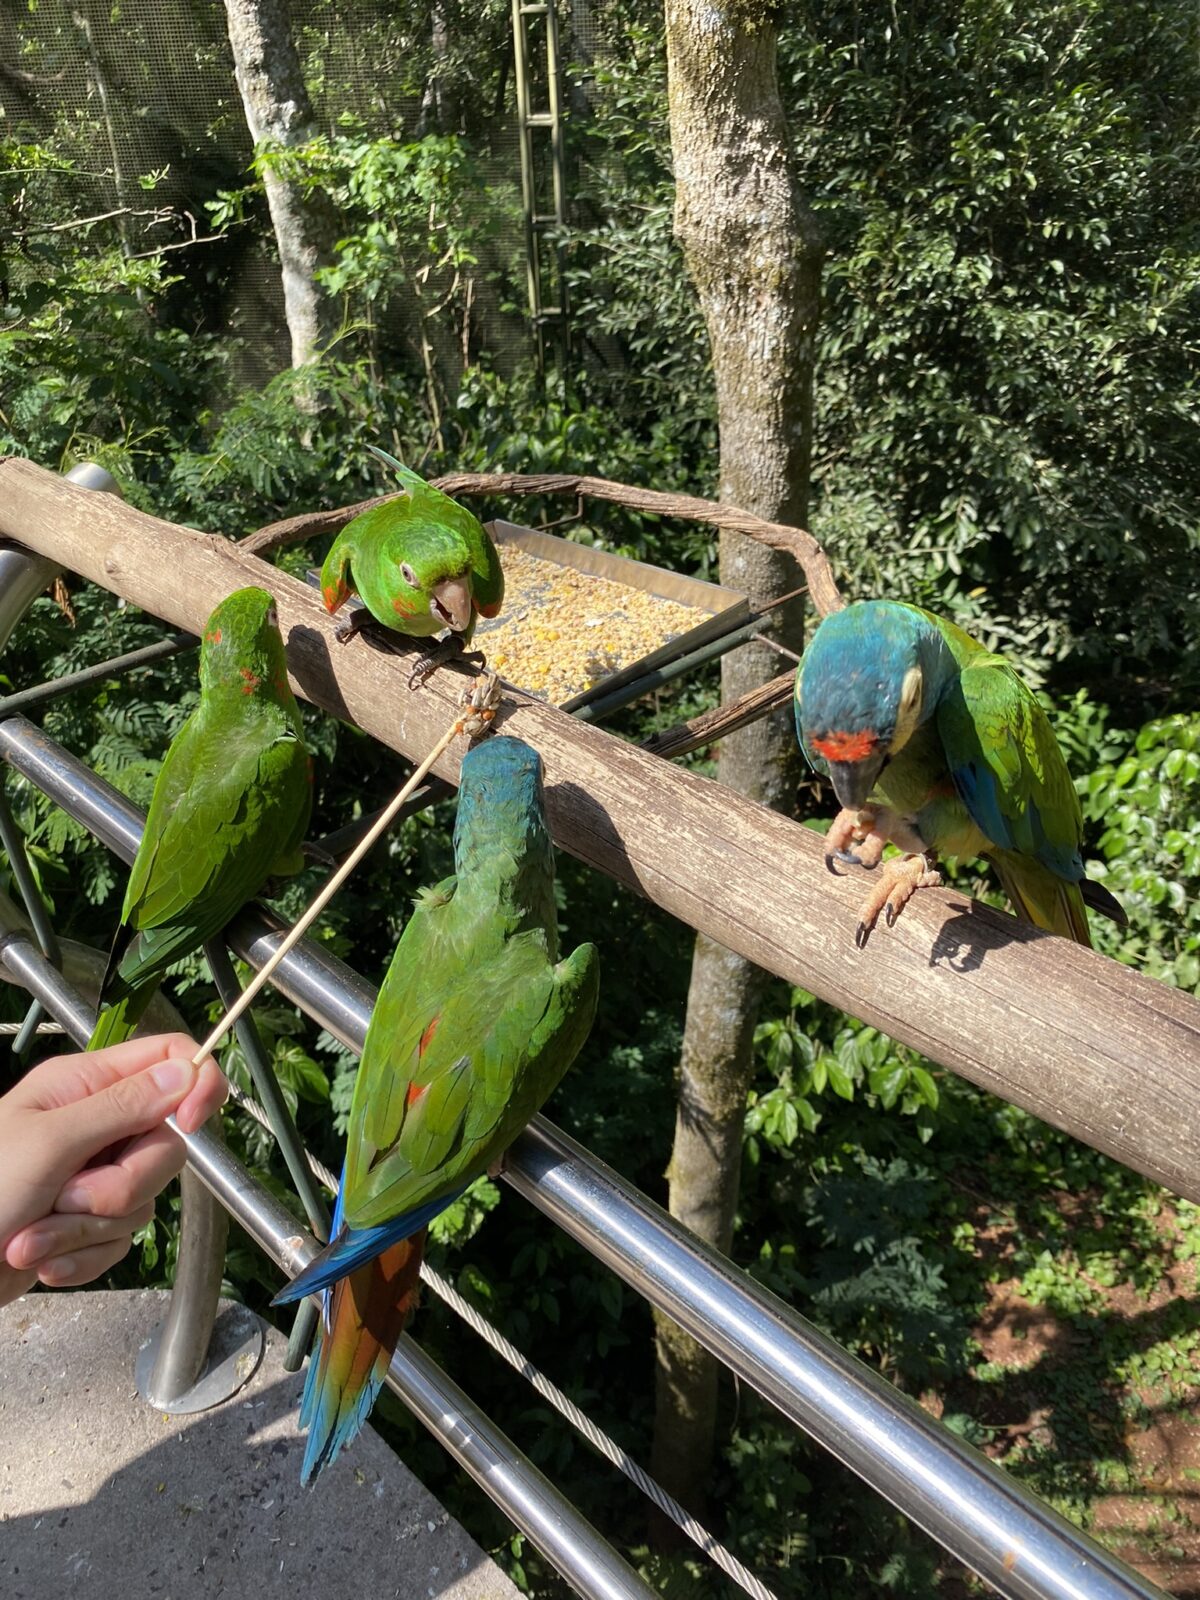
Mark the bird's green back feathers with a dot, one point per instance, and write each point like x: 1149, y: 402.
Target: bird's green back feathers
x: 230, y: 804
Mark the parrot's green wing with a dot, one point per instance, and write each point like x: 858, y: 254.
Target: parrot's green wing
x: 229, y: 807
x: 1008, y: 768
x: 1012, y: 778
x: 465, y: 1044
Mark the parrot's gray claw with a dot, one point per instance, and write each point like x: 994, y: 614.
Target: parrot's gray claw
x: 451, y: 648
x: 847, y: 858
x: 353, y: 622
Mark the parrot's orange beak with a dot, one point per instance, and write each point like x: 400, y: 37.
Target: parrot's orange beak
x: 451, y: 603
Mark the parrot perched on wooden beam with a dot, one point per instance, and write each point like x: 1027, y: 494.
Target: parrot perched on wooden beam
x: 421, y: 563
x: 935, y: 744
x: 229, y: 810
x: 475, y: 1024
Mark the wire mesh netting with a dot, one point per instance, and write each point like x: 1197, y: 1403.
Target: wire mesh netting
x: 139, y: 103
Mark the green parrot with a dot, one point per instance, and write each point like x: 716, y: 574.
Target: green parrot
x: 229, y: 810
x: 476, y: 1023
x: 935, y: 744
x: 421, y: 563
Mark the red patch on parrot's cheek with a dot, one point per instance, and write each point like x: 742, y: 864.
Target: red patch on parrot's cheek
x: 401, y: 606
x: 843, y: 747
x: 335, y: 595
x: 250, y: 680
x: 491, y: 610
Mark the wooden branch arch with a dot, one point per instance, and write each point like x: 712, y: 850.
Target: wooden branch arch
x: 810, y: 557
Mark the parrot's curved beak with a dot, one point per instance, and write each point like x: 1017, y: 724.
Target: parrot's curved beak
x: 451, y: 602
x: 853, y: 781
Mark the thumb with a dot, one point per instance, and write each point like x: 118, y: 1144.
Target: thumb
x: 123, y: 1110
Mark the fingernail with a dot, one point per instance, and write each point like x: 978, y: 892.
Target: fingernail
x: 36, y: 1246
x: 171, y: 1076
x: 60, y: 1267
x: 75, y: 1197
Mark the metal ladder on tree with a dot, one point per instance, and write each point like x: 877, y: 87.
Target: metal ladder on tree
x: 545, y: 282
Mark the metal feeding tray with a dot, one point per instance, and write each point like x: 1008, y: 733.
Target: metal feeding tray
x: 581, y: 626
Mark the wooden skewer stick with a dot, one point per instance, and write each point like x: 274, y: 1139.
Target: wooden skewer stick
x: 481, y: 701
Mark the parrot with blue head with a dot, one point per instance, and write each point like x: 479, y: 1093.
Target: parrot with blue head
x: 476, y: 1022
x: 934, y: 744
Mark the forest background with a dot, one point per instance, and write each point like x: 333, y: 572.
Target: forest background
x: 1004, y: 427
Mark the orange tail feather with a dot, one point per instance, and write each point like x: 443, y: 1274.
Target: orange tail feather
x: 363, y: 1317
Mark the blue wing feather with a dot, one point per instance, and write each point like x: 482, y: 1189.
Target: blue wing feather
x: 354, y: 1247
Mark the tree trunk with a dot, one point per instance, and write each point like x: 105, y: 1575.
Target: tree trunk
x: 754, y: 258
x: 279, y: 115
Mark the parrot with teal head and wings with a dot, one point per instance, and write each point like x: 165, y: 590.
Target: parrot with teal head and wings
x: 477, y: 1021
x: 420, y: 562
x: 934, y: 744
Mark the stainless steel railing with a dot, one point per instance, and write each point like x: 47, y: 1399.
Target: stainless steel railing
x: 986, y: 1519
x: 536, y: 1507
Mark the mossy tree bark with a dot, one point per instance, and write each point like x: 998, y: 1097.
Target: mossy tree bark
x: 754, y: 258
x: 279, y: 116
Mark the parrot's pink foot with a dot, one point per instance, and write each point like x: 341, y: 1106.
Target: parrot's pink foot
x: 855, y: 839
x: 451, y: 648
x: 899, y: 882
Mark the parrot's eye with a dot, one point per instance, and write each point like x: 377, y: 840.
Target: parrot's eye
x: 409, y: 576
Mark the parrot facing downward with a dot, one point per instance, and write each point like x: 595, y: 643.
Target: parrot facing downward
x: 935, y: 744
x: 420, y: 562
x: 229, y: 810
x: 475, y: 1024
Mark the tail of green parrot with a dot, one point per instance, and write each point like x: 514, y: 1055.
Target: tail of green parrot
x: 119, y: 1021
x: 1042, y: 898
x: 123, y: 998
x: 1051, y: 902
x: 363, y: 1317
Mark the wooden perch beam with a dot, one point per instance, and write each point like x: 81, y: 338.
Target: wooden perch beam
x: 1089, y: 1045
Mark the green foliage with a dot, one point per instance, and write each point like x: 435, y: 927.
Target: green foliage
x: 857, y: 1061
x: 1147, y: 804
x: 1006, y: 400
x: 1005, y: 429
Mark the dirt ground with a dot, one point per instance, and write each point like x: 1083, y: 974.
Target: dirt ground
x: 1054, y: 1399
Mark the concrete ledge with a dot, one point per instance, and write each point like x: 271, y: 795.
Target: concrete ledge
x: 103, y: 1498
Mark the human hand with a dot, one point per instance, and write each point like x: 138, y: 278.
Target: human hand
x: 84, y: 1149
